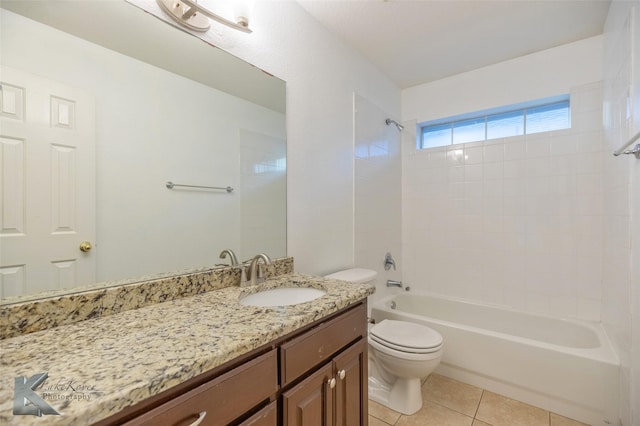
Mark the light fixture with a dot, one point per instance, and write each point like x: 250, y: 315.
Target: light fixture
x: 196, y: 17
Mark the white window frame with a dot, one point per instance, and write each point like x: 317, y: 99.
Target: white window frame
x: 486, y: 115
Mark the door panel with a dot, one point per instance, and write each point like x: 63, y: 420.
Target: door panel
x: 310, y: 403
x: 351, y: 377
x: 47, y: 184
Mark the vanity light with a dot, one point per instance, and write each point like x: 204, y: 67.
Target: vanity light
x: 196, y: 17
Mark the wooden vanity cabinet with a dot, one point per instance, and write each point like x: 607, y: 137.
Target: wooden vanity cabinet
x: 310, y: 403
x: 314, y: 376
x: 210, y: 404
x: 352, y: 376
x: 332, y: 396
x: 268, y: 416
x: 335, y: 393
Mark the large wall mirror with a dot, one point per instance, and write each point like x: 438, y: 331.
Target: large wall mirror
x: 101, y: 105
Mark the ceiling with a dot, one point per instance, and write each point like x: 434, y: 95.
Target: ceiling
x: 418, y: 41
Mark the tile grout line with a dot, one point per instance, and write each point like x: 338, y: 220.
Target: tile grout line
x: 473, y: 417
x: 384, y: 421
x: 478, y: 407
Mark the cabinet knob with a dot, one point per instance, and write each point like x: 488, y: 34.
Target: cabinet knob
x: 341, y: 374
x: 331, y: 382
x: 200, y: 418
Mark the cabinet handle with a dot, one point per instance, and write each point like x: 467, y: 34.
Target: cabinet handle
x: 200, y: 418
x: 331, y: 382
x: 341, y: 374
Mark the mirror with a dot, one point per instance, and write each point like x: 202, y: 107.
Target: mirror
x: 101, y: 105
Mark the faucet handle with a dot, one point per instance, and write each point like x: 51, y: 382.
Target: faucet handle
x: 243, y: 276
x: 389, y: 262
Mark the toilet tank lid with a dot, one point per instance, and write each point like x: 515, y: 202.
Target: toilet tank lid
x: 354, y: 275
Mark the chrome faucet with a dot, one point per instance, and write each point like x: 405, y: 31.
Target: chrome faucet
x: 232, y: 256
x: 389, y: 262
x: 393, y: 283
x: 255, y: 273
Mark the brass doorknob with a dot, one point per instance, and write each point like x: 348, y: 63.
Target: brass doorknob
x: 85, y: 246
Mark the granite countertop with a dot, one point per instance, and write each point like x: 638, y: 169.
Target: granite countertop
x: 99, y: 366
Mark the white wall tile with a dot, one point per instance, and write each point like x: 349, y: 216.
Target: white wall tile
x: 473, y: 154
x: 515, y: 149
x: 493, y: 152
x: 493, y: 170
x: 621, y: 282
x: 519, y: 220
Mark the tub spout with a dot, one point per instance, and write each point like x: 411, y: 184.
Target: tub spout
x: 393, y: 283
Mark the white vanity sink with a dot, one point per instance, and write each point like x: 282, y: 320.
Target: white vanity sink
x: 282, y: 296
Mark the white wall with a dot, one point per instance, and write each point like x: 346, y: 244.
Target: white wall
x: 321, y: 74
x: 539, y: 75
x: 621, y: 304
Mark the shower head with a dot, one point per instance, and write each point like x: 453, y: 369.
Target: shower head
x: 399, y: 126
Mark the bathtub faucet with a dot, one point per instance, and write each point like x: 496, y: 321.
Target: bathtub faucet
x: 393, y: 283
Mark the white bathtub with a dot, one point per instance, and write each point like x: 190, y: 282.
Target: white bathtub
x: 564, y: 366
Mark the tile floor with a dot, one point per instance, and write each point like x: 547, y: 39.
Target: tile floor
x: 451, y: 403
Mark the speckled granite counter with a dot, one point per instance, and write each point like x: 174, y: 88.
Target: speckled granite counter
x: 119, y: 360
x: 58, y: 308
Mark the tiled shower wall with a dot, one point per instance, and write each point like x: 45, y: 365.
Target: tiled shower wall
x: 621, y: 177
x: 515, y: 221
x: 377, y: 192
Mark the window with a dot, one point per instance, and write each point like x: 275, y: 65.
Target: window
x: 514, y: 120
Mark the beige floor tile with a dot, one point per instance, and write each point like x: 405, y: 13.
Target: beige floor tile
x: 433, y: 414
x: 383, y: 413
x: 477, y: 422
x: 452, y: 394
x: 498, y: 410
x: 558, y: 420
x: 376, y: 422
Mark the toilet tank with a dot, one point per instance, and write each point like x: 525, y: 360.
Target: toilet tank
x: 354, y: 275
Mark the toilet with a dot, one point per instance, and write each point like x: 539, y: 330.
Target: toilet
x: 401, y: 354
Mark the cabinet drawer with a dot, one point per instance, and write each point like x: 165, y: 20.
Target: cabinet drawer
x: 268, y: 416
x: 248, y: 385
x: 319, y: 344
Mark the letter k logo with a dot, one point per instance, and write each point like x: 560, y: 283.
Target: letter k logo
x: 24, y: 391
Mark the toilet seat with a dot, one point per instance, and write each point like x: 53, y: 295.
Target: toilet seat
x: 384, y: 350
x: 406, y: 337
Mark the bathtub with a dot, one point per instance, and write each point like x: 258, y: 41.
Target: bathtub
x: 564, y: 366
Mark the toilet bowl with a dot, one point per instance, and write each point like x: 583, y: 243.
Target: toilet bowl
x: 401, y: 354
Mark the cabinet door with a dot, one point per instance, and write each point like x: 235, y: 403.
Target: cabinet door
x: 310, y: 403
x: 351, y: 386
